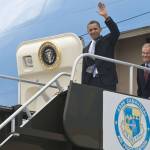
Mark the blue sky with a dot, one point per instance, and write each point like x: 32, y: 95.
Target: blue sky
x: 72, y: 14
x: 22, y: 20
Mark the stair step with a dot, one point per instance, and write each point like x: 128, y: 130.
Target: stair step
x: 36, y: 133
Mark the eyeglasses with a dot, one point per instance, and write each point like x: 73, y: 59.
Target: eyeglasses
x: 145, y: 53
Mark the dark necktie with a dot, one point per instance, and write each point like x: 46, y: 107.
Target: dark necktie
x: 146, y: 74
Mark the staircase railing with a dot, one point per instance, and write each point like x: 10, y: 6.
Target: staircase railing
x: 23, y: 80
x: 24, y: 106
x: 130, y: 65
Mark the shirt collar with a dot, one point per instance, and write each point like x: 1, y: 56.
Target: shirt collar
x: 147, y: 65
x: 93, y: 41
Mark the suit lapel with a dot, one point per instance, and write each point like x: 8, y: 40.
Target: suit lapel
x: 148, y: 80
x: 88, y: 61
x: 86, y: 49
x: 142, y: 78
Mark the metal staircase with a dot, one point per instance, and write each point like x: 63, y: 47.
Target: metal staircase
x: 19, y: 128
x: 53, y: 127
x: 44, y: 131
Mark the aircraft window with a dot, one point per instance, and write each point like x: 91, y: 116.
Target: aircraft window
x: 28, y: 61
x: 16, y: 12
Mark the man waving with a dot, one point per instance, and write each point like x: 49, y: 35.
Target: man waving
x: 97, y: 72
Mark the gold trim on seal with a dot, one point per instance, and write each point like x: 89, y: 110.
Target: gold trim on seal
x: 58, y: 55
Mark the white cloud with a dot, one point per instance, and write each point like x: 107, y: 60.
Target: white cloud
x: 15, y: 12
x: 54, y: 5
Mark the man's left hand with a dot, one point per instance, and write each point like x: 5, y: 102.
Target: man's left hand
x: 102, y: 10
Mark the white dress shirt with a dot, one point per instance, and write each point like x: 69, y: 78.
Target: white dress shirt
x: 92, y: 51
x: 92, y: 47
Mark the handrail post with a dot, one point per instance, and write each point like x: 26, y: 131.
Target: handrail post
x: 59, y: 86
x: 13, y: 124
x: 27, y: 112
x: 131, y: 80
x: 75, y: 64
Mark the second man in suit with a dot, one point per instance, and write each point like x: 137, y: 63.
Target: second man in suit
x: 94, y: 71
x: 143, y: 76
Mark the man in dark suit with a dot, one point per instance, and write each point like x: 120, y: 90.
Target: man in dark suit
x: 97, y: 72
x: 143, y: 76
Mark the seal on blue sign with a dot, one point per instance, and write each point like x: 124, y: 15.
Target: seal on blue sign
x: 132, y: 125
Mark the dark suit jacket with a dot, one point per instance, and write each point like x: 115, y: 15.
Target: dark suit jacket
x: 143, y: 86
x: 104, y: 47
